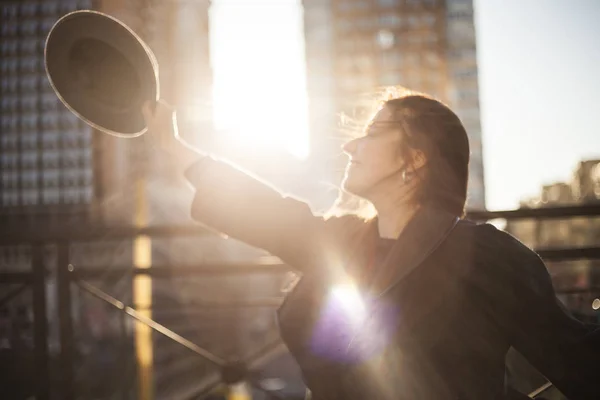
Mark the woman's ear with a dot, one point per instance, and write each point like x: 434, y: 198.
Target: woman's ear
x: 418, y: 160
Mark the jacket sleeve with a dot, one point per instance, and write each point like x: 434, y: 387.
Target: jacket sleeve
x: 565, y: 350
x: 243, y: 207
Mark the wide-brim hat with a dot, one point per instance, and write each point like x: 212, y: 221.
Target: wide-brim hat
x: 102, y: 71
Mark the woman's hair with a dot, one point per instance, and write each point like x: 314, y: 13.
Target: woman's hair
x: 431, y: 127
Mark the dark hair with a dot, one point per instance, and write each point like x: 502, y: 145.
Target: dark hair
x: 432, y: 128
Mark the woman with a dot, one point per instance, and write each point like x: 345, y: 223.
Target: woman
x: 415, y: 303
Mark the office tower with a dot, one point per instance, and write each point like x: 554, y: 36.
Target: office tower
x: 46, y: 153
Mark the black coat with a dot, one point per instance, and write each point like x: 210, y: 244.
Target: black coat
x: 457, y: 296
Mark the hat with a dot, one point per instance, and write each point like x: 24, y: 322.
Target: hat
x: 102, y: 71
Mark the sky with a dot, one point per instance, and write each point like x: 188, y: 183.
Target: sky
x: 539, y: 76
x: 257, y: 55
x: 539, y: 64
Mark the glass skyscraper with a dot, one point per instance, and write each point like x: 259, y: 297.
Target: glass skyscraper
x: 46, y: 156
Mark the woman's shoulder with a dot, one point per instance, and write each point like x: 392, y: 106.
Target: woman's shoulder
x: 487, y: 240
x: 497, y: 256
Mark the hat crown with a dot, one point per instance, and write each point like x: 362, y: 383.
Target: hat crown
x: 102, y: 71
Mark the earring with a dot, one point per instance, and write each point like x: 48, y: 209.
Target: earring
x: 407, y: 176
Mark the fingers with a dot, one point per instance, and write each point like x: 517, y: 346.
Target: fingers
x: 147, y: 112
x: 153, y: 112
x: 166, y: 104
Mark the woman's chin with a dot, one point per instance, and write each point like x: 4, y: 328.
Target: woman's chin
x: 351, y: 186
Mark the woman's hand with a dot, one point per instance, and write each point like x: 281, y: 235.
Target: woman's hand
x: 162, y: 126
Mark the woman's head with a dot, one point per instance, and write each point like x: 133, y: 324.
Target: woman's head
x: 414, y: 147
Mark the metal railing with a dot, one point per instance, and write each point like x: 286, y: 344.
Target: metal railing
x: 35, y: 280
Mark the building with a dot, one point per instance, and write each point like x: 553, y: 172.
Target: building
x: 46, y: 154
x: 356, y: 47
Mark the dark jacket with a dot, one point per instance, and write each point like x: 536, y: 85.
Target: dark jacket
x: 454, y: 297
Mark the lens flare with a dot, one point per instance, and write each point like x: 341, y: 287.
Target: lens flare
x: 350, y: 300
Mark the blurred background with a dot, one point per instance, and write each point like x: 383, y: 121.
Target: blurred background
x: 87, y: 220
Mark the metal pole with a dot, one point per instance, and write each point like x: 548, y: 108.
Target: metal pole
x: 126, y: 357
x: 40, y: 323
x: 65, y: 320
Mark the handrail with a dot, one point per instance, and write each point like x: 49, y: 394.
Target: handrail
x: 569, y: 253
x: 18, y: 234
x: 212, y: 269
x: 100, y: 232
x: 65, y: 235
x: 150, y: 322
x: 222, y: 269
x: 582, y: 210
x: 541, y: 390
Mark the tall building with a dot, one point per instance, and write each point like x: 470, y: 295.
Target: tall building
x: 46, y: 154
x: 355, y: 47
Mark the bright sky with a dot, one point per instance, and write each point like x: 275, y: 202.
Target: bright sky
x: 257, y: 52
x: 539, y: 66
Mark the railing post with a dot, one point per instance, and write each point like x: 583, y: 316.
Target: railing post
x: 142, y: 297
x: 126, y: 356
x: 65, y: 320
x: 40, y: 322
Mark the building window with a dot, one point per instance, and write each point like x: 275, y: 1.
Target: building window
x: 389, y: 3
x: 465, y: 74
x: 461, y: 32
x: 392, y: 78
x: 466, y: 96
x: 353, y: 5
x: 430, y: 38
x: 386, y: 39
x: 431, y: 58
x: 50, y: 196
x: 10, y: 198
x: 428, y: 19
x: 414, y: 39
x: 30, y: 197
x: 365, y: 23
x: 461, y: 15
x: 391, y: 60
x: 460, y: 55
x: 390, y: 21
x: 413, y: 21
x: 411, y: 59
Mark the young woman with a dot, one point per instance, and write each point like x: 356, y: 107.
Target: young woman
x: 416, y: 302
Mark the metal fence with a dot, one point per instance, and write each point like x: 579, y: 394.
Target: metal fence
x: 35, y: 280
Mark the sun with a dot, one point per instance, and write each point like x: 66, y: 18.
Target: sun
x: 259, y: 89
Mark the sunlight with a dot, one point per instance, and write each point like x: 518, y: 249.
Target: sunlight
x: 259, y: 90
x: 350, y: 299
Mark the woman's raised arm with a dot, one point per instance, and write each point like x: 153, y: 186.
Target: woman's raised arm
x: 248, y: 209
x: 243, y: 207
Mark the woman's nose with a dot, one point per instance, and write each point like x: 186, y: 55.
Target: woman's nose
x: 350, y: 147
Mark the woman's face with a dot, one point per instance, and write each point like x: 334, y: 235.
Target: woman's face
x: 374, y: 156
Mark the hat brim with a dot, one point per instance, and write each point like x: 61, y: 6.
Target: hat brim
x: 101, y: 71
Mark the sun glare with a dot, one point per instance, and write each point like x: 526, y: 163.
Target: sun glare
x: 259, y: 90
x: 350, y: 299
